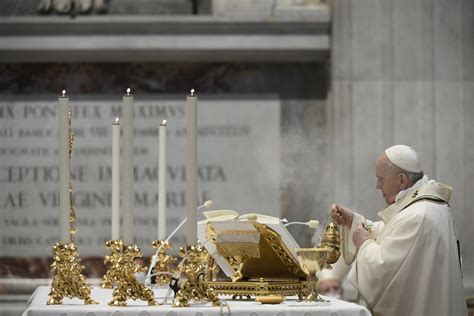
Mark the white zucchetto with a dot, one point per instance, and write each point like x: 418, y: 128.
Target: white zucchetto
x: 327, y: 274
x: 404, y: 157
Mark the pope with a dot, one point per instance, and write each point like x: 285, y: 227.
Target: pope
x: 408, y: 262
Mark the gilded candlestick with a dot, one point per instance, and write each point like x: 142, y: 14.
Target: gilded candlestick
x: 68, y: 280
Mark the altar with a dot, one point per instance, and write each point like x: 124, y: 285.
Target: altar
x: 74, y: 307
x: 257, y: 254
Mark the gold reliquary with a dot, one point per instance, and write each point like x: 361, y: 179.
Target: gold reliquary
x: 259, y: 257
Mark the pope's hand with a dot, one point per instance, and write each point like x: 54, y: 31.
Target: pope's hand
x: 342, y: 215
x: 360, y: 235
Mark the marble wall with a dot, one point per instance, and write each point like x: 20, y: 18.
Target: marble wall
x: 301, y: 87
x: 301, y: 84
x: 288, y: 80
x: 403, y: 72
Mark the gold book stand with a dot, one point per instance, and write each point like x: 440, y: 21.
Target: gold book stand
x: 275, y: 265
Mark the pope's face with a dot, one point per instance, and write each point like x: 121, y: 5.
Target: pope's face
x: 330, y: 287
x: 388, y: 181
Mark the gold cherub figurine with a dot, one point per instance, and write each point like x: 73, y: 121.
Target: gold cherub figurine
x: 127, y: 286
x: 164, y: 262
x: 113, y: 261
x: 68, y: 280
x: 195, y: 267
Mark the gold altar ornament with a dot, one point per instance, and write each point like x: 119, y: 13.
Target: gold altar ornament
x: 164, y: 262
x: 195, y: 266
x: 72, y: 213
x: 121, y: 275
x: 270, y: 299
x: 68, y: 280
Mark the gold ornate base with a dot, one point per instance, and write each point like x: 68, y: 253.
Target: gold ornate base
x: 302, y: 289
x: 195, y: 268
x: 312, y: 294
x: 121, y: 275
x: 68, y: 280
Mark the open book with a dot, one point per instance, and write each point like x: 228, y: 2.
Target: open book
x: 251, y: 246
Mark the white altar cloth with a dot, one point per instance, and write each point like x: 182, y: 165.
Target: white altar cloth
x: 37, y: 306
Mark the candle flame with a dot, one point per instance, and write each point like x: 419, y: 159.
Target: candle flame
x: 128, y: 91
x: 192, y: 91
x: 163, y: 123
x: 116, y: 120
x: 63, y: 93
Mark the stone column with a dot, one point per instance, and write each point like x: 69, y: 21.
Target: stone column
x: 403, y: 72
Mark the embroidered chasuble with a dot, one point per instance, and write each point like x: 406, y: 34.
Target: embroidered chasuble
x: 411, y: 264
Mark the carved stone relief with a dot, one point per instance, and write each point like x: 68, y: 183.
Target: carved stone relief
x: 72, y: 6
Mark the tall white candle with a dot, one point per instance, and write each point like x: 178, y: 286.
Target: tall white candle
x: 191, y: 168
x: 115, y: 220
x: 63, y: 150
x: 162, y: 183
x: 127, y: 193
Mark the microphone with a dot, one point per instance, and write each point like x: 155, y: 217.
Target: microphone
x: 314, y: 224
x: 208, y: 204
